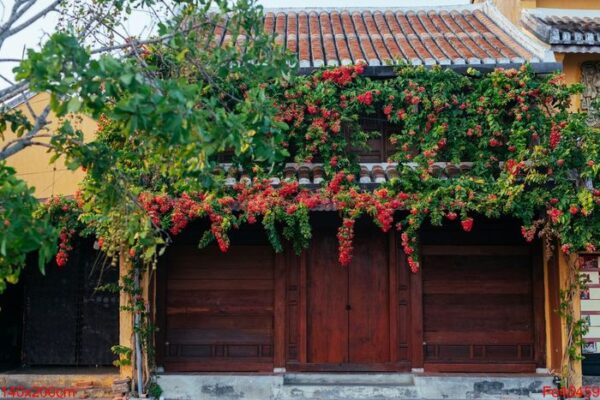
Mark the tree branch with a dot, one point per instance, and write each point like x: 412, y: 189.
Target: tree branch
x: 9, y: 92
x: 27, y: 139
x: 18, y: 28
x: 19, y: 8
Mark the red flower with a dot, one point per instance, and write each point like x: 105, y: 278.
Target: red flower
x: 311, y: 109
x: 467, y: 224
x: 414, y: 265
x: 514, y: 167
x: 590, y: 248
x: 387, y: 110
x: 365, y: 98
x: 494, y: 142
x: 132, y: 252
x: 291, y: 209
x: 573, y: 210
x: 528, y: 233
x: 451, y: 215
x: 61, y: 258
x: 554, y: 214
x: 345, y: 236
x: 554, y: 136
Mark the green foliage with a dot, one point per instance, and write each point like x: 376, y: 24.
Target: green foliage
x: 124, y: 355
x: 174, y: 104
x: 154, y: 390
x: 21, y: 232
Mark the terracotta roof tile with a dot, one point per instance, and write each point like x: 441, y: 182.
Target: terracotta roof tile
x: 280, y: 28
x: 465, y: 34
x: 389, y: 42
x: 291, y: 33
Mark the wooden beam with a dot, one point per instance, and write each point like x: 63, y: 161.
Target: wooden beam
x: 416, y: 315
x: 539, y: 319
x: 279, y: 314
x: 393, y: 298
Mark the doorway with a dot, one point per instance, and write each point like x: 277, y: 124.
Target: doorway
x: 348, y: 308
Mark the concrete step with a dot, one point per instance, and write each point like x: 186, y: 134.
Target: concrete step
x: 346, y: 386
x: 348, y: 391
x: 394, y: 379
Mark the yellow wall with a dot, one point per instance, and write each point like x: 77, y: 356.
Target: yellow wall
x: 33, y: 163
x: 572, y: 70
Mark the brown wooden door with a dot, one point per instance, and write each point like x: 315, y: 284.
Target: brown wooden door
x: 219, y: 308
x: 348, y: 314
x: 368, y: 297
x: 326, y: 304
x: 479, y: 308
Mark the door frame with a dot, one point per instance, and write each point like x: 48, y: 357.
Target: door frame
x: 296, y: 317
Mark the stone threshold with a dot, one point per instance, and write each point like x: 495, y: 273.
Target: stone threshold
x: 350, y: 386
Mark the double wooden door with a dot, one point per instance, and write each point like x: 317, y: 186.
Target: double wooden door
x: 351, y: 318
x: 348, y: 307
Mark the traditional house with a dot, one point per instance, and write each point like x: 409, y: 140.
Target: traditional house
x: 483, y: 303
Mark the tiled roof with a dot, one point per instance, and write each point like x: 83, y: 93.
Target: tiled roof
x: 565, y: 30
x: 460, y: 35
x: 371, y: 174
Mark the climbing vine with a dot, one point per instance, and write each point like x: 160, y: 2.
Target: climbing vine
x: 507, y: 139
x: 527, y: 156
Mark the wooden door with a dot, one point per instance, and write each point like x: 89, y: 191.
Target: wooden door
x: 327, y: 303
x: 479, y: 308
x: 219, y: 308
x: 368, y: 297
x: 348, y: 308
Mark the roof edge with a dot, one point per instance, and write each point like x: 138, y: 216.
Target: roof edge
x: 457, y: 7
x: 390, y: 71
x: 555, y: 12
x: 540, y: 49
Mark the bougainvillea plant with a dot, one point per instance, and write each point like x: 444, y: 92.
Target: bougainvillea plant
x: 528, y: 156
x: 63, y: 212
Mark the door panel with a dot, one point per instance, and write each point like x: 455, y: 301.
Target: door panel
x: 327, y: 299
x: 219, y: 308
x: 369, y: 316
x: 478, y: 308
